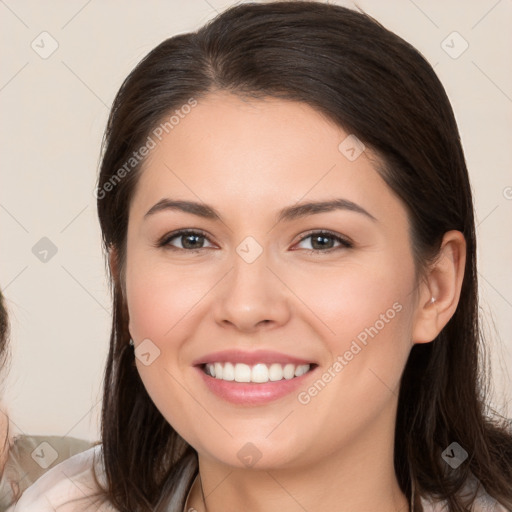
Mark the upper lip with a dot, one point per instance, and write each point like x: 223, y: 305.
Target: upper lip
x: 250, y: 358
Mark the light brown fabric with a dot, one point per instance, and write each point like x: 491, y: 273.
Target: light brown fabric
x: 30, y: 457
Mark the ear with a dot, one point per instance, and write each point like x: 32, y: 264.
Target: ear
x: 443, y: 284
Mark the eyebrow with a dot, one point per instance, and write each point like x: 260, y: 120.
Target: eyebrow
x: 286, y: 214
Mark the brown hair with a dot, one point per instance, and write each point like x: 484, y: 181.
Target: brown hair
x: 4, y: 332
x: 4, y: 358
x: 375, y: 85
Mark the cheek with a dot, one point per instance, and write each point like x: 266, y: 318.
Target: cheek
x: 150, y: 307
x: 356, y: 299
x: 158, y: 299
x: 159, y: 307
x: 364, y: 314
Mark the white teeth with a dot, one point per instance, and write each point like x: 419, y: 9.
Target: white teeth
x: 242, y: 372
x: 301, y: 370
x: 275, y: 372
x: 228, y: 372
x: 289, y: 371
x: 258, y: 373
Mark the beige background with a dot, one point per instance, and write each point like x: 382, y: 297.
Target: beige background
x: 54, y: 111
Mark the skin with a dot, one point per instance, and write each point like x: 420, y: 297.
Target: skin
x: 249, y: 159
x: 4, y: 445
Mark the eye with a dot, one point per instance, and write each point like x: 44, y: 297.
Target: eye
x: 193, y: 240
x: 322, y: 241
x: 190, y: 240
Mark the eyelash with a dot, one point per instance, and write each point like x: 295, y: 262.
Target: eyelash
x: 165, y: 241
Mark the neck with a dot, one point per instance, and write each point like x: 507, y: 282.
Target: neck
x: 358, y: 477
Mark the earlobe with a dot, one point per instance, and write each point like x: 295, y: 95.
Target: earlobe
x: 440, y: 293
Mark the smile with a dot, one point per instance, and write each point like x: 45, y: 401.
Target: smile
x: 258, y: 373
x: 252, y: 385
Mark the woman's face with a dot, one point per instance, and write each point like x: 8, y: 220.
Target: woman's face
x: 249, y: 282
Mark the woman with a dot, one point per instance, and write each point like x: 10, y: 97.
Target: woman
x: 24, y: 458
x: 289, y: 224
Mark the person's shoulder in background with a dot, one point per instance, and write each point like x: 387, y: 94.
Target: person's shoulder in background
x: 68, y: 487
x: 483, y: 501
x: 30, y: 458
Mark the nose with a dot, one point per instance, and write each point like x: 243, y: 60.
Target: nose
x: 252, y: 297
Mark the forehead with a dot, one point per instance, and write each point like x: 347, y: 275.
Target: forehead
x: 258, y: 154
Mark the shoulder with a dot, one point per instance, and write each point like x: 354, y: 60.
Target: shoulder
x: 483, y: 502
x: 35, y: 454
x: 68, y: 487
x: 29, y: 457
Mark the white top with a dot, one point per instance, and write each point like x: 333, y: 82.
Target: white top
x: 70, y: 487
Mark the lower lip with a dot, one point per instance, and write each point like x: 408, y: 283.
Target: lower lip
x: 252, y: 393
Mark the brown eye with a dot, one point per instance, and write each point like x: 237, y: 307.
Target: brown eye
x: 322, y: 241
x: 188, y: 240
